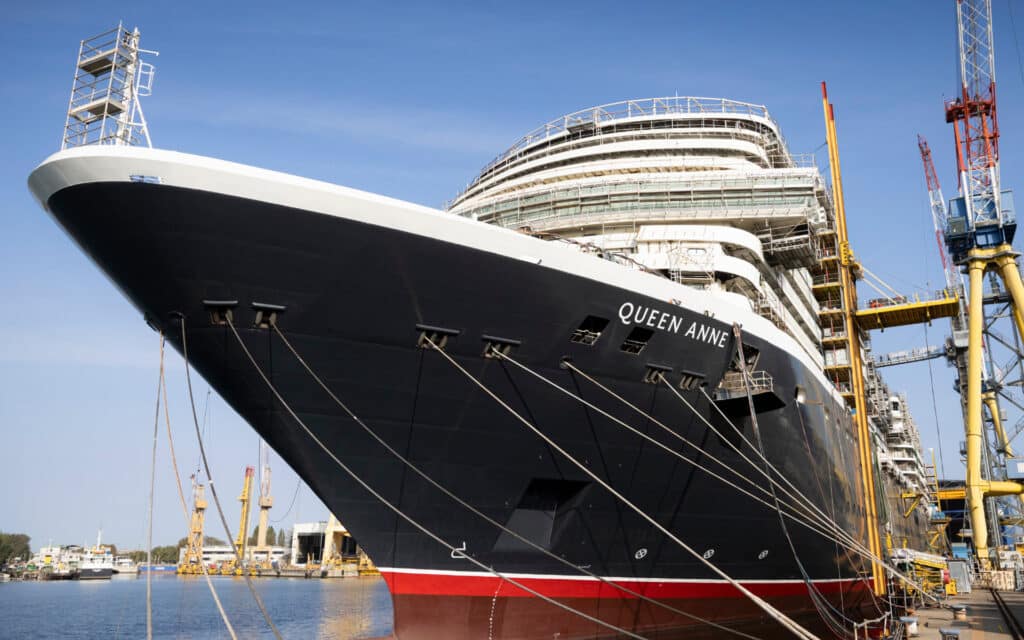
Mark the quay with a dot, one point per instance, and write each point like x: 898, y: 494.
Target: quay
x: 986, y: 618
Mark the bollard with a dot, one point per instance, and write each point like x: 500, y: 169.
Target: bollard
x: 949, y: 634
x: 960, y: 612
x: 910, y: 624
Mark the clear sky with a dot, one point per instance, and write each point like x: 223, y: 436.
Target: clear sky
x: 410, y: 100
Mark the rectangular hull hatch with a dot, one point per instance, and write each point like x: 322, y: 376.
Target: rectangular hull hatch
x: 731, y: 394
x: 546, y: 504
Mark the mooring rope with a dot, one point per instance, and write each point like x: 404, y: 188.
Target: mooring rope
x: 799, y: 508
x: 824, y: 607
x: 181, y: 493
x: 397, y: 511
x: 152, y: 485
x: 209, y: 477
x: 848, y: 541
x: 813, y: 591
x: 795, y: 515
x: 415, y: 469
x: 774, y: 613
x: 845, y: 539
x: 839, y: 536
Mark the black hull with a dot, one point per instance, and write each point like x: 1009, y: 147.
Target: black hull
x: 95, y: 574
x: 354, y: 295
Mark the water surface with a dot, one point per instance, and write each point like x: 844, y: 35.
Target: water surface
x: 183, y: 608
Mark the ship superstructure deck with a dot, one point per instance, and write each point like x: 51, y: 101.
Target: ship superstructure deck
x: 702, y: 191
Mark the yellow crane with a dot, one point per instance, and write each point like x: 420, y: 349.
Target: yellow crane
x: 232, y: 567
x: 192, y: 562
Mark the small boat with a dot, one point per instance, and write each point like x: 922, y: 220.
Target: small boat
x: 123, y: 565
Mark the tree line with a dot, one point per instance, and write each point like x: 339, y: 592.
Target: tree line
x: 280, y: 539
x: 14, y: 546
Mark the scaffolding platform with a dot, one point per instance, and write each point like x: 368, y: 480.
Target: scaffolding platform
x: 902, y: 313
x: 99, y: 63
x: 93, y: 111
x: 110, y: 77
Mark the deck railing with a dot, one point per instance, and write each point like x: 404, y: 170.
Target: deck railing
x: 647, y: 107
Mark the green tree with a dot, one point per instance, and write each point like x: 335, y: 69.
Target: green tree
x: 136, y: 555
x: 280, y: 537
x: 165, y: 555
x: 208, y: 541
x: 14, y: 545
x: 271, y: 536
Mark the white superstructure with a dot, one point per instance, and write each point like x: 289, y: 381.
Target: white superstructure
x: 702, y: 191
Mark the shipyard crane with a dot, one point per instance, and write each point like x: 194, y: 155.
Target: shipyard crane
x: 937, y: 202
x: 231, y: 567
x: 265, y: 503
x: 192, y: 562
x: 978, y: 233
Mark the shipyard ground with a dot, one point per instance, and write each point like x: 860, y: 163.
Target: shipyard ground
x: 984, y: 620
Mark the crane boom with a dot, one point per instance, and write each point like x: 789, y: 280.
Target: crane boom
x: 954, y: 280
x: 977, y: 218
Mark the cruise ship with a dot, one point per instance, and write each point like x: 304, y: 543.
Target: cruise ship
x: 550, y: 410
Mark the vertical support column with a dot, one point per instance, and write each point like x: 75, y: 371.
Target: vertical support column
x: 989, y: 398
x: 974, y: 484
x: 1006, y: 261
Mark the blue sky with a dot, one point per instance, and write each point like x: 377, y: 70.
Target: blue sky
x: 409, y: 100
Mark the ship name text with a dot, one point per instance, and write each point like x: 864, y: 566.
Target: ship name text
x: 630, y: 313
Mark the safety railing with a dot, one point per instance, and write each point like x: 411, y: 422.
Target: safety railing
x: 933, y: 296
x: 647, y: 107
x: 733, y: 384
x: 632, y: 109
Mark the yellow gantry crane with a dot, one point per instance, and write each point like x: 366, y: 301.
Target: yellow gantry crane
x: 979, y: 231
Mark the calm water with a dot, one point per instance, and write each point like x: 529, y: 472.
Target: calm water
x: 184, y: 608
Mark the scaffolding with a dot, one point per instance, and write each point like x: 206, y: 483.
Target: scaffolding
x: 109, y: 80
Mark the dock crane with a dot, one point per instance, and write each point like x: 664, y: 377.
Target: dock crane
x: 231, y: 567
x: 978, y: 232
x: 937, y: 203
x: 192, y: 561
x: 265, y: 503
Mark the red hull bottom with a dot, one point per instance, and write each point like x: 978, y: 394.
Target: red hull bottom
x: 508, y: 613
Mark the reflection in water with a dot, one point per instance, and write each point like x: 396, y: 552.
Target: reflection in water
x: 332, y: 609
x: 357, y: 610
